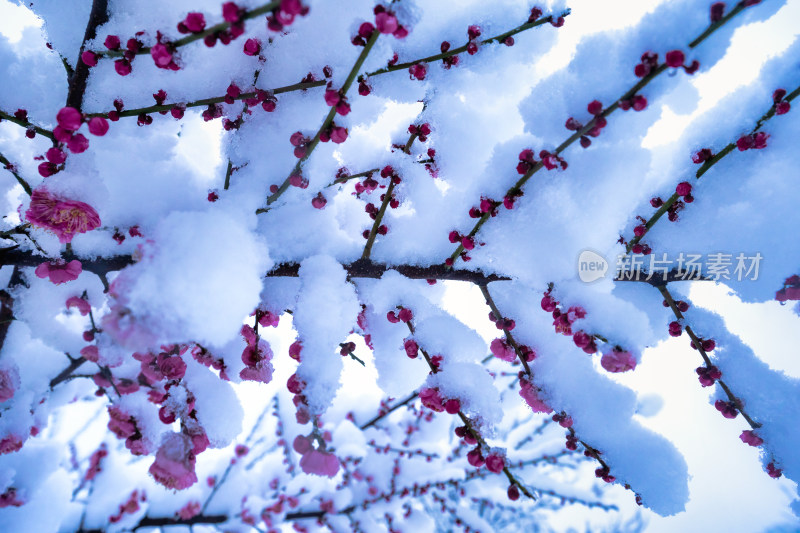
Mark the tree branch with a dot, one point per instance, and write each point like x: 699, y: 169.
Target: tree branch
x: 11, y: 168
x: 517, y: 187
x: 705, y: 167
x: 217, y: 28
x: 27, y: 124
x: 77, y: 82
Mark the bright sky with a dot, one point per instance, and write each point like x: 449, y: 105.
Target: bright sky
x: 729, y: 491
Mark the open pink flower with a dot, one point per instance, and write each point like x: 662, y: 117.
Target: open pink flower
x: 59, y: 271
x: 175, y: 461
x: 63, y: 217
x: 319, y: 463
x: 618, y: 361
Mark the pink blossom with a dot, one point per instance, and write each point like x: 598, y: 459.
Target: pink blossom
x: 9, y: 383
x: 773, y: 471
x: 69, y: 118
x: 47, y: 169
x: 174, y: 464
x: 332, y: 97
x: 338, y: 134
x: 530, y: 394
x: 123, y: 68
x: 675, y: 58
x: 319, y: 463
x: 708, y: 375
x: 10, y: 444
x: 618, y: 361
x: 728, y: 409
x: 495, y: 463
x: 190, y: 510
x: 121, y: 423
x: 386, y: 22
x: 231, y: 12
x: 431, y: 399
x: 418, y: 71
x: 173, y: 367
x: 89, y: 58
x: 411, y: 347
x: 405, y: 314
x: 112, y: 42
x: 56, y: 156
x: 200, y: 442
x: 59, y: 271
x: 94, y: 463
x: 261, y: 372
x: 82, y: 305
x: 475, y: 458
x: 564, y: 420
x: 319, y: 201
x: 78, y: 144
x: 501, y: 350
x: 581, y: 339
x: 452, y: 406
x: 302, y: 444
x: 292, y: 7
x: 195, y: 22
x: 252, y: 47
x: 63, y: 217
x: 717, y: 11
x: 90, y: 353
x: 98, y: 126
x: 161, y: 55
x: 749, y: 436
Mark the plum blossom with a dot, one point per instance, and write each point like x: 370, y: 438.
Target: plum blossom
x: 10, y: 444
x: 319, y: 463
x: 59, y: 271
x: 175, y: 462
x: 495, y: 462
x: 749, y: 437
x: 618, y: 360
x: 315, y: 461
x: 80, y: 304
x: 9, y: 383
x: 501, y: 349
x: 69, y: 118
x: 431, y: 399
x: 530, y: 394
x: 62, y: 216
